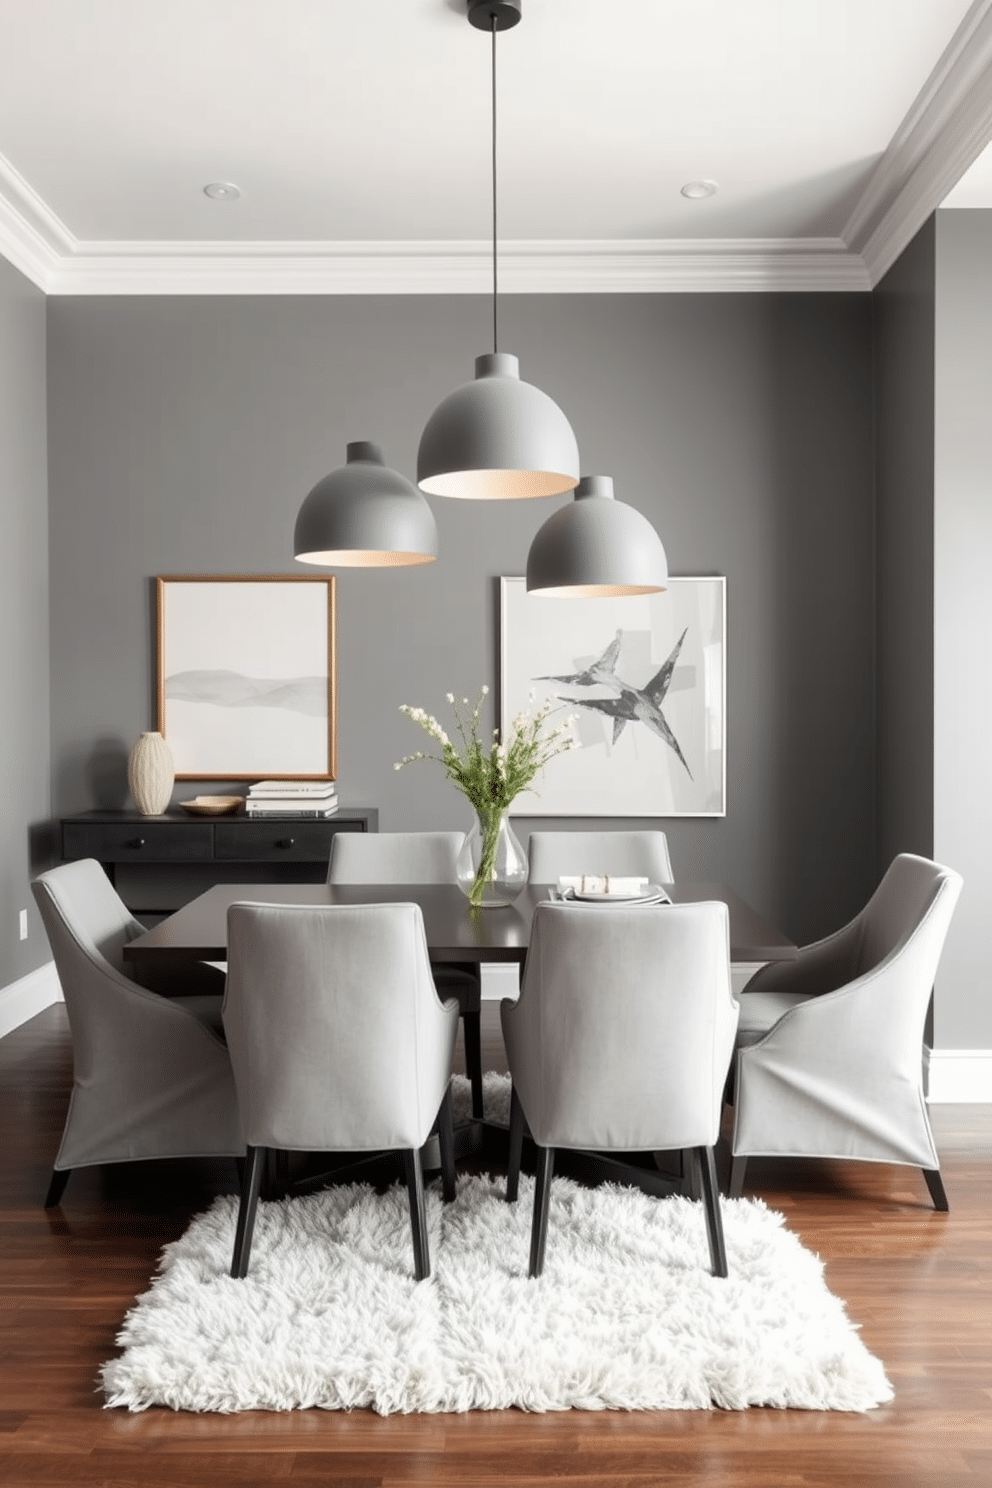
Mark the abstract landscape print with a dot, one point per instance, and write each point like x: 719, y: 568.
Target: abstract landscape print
x: 246, y: 675
x: 643, y: 678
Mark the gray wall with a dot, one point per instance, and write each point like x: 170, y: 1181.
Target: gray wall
x: 185, y: 432
x: 24, y: 735
x: 963, y: 616
x: 903, y: 311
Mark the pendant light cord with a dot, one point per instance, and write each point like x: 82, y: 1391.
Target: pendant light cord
x: 495, y: 336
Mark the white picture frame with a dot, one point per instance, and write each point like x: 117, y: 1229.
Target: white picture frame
x: 246, y: 676
x: 643, y: 678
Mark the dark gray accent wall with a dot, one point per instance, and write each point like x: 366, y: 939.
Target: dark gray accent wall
x: 903, y: 309
x: 963, y: 617
x: 24, y: 732
x: 184, y: 434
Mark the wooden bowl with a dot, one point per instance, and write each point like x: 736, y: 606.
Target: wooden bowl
x: 212, y: 805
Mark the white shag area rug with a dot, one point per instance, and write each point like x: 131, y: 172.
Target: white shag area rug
x: 626, y: 1315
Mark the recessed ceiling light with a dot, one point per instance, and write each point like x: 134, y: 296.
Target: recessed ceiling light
x: 221, y: 191
x: 697, y: 190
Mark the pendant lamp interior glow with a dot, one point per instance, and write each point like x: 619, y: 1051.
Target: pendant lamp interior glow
x: 596, y: 547
x: 497, y: 437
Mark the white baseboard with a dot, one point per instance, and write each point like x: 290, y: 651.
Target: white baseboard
x: 500, y: 979
x: 741, y: 973
x: 28, y: 996
x: 960, y: 1077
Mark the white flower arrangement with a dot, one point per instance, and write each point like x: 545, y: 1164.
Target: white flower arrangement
x: 491, y: 775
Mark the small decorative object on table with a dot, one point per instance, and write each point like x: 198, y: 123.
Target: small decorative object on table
x: 492, y: 865
x: 151, y: 774
x: 284, y: 797
x: 212, y: 805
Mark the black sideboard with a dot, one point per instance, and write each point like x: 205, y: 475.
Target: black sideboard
x: 159, y: 863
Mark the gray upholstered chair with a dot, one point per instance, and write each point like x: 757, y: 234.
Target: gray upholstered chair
x: 621, y: 1041
x: 409, y: 858
x: 339, y: 1043
x: 829, y: 1056
x: 151, y: 1074
x: 642, y: 854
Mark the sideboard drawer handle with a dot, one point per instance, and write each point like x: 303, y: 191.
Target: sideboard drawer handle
x: 284, y: 842
x: 136, y: 842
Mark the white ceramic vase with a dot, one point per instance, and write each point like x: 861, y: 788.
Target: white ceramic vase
x: 151, y: 774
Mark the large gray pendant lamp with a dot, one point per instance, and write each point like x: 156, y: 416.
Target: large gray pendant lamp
x: 497, y: 437
x: 596, y: 548
x: 365, y: 515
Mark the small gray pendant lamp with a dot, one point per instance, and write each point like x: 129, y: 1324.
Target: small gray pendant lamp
x: 365, y: 515
x: 596, y: 548
x: 497, y: 437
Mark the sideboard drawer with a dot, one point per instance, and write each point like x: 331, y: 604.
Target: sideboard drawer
x: 159, y: 863
x: 281, y: 841
x: 151, y: 841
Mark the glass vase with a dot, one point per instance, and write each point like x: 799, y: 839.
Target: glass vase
x: 492, y: 866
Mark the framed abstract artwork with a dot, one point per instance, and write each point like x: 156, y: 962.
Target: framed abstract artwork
x: 643, y: 680
x: 246, y: 676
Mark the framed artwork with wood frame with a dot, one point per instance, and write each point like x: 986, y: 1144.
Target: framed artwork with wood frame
x: 246, y: 675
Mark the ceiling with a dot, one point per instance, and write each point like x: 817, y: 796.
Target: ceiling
x: 358, y: 134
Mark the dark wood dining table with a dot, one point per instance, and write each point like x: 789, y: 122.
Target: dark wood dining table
x: 456, y: 932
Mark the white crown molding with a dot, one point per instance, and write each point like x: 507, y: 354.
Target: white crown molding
x: 948, y: 126
x: 31, y: 236
x: 26, y: 253
x: 40, y: 245
x: 611, y: 267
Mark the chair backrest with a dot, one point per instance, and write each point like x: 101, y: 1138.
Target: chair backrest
x: 624, y: 1030
x: 908, y: 914
x: 86, y: 920
x: 393, y: 857
x: 635, y: 854
x: 336, y: 1034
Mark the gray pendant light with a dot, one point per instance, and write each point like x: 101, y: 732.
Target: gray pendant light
x: 365, y: 515
x: 596, y: 547
x: 497, y: 437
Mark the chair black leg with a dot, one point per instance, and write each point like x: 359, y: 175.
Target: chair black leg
x: 418, y: 1212
x: 542, y: 1202
x: 706, y: 1168
x: 738, y: 1166
x: 252, y: 1182
x: 936, y: 1186
x: 691, y: 1181
x: 516, y: 1147
x: 446, y: 1142
x: 274, y: 1172
x: 60, y: 1177
x: 472, y: 1034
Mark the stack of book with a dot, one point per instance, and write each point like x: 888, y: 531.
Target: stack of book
x: 315, y: 798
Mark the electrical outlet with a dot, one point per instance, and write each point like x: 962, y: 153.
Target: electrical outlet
x: 22, y: 921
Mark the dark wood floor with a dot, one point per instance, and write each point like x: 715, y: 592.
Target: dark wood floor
x: 918, y: 1283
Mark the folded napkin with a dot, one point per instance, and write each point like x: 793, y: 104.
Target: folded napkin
x: 606, y: 883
